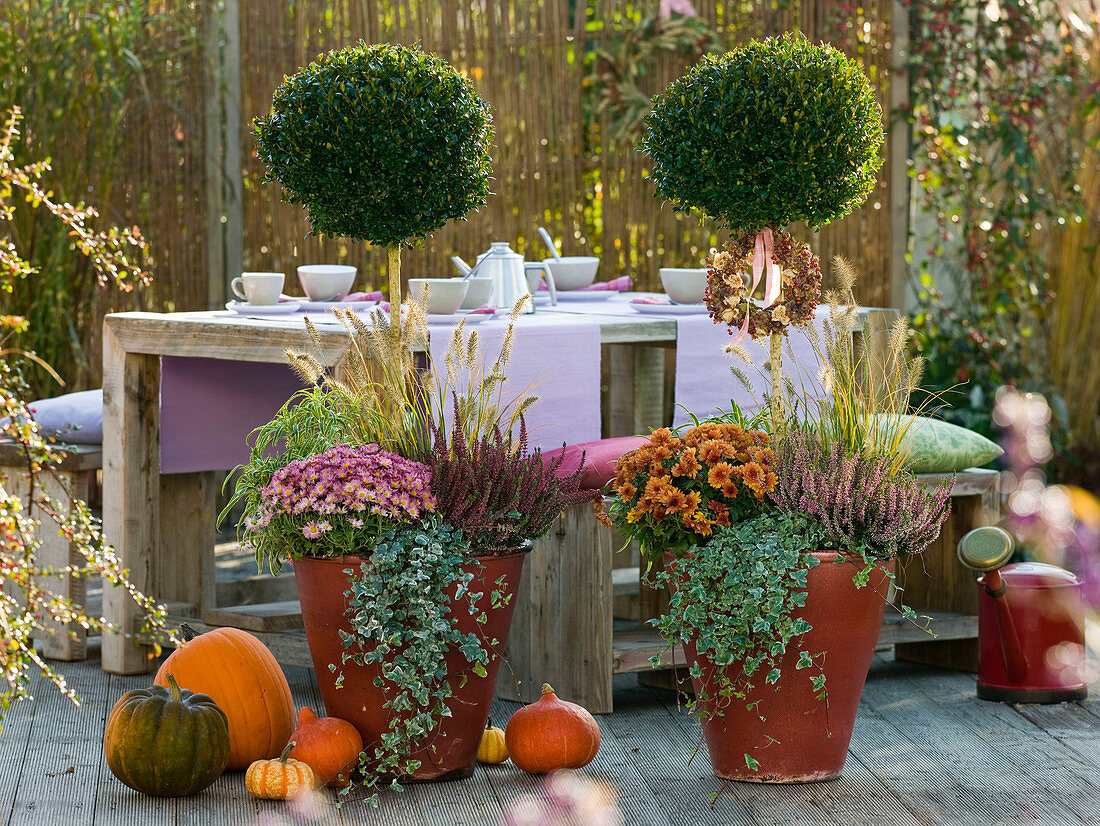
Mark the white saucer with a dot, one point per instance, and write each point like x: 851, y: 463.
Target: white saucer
x: 586, y: 295
x: 321, y: 306
x: 282, y: 308
x: 669, y: 309
x: 469, y: 318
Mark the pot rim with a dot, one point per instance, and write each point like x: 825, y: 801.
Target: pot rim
x: 354, y: 558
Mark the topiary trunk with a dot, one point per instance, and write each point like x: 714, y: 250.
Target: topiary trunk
x: 394, y: 272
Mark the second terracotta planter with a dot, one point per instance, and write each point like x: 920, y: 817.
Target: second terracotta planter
x: 452, y: 750
x: 801, y: 740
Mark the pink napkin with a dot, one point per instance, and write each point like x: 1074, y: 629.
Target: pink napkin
x: 371, y: 296
x: 651, y: 299
x: 484, y: 309
x: 620, y: 284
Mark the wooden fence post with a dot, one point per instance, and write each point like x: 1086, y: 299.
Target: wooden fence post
x: 222, y: 148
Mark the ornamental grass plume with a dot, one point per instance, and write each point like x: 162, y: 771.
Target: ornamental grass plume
x: 336, y: 502
x: 673, y: 491
x: 866, y: 507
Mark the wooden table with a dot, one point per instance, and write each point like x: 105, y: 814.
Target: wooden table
x: 162, y: 525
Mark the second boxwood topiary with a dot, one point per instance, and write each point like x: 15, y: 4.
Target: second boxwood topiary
x: 780, y: 130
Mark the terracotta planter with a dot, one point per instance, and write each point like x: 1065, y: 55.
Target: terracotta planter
x: 453, y: 750
x: 846, y: 622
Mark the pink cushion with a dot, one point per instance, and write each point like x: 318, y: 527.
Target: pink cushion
x: 599, y: 458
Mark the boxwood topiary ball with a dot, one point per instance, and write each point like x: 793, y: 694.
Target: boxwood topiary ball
x: 380, y: 143
x: 779, y: 130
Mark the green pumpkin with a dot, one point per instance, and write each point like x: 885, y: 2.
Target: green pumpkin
x: 168, y: 742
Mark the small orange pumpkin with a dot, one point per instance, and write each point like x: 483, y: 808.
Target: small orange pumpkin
x: 328, y: 745
x: 241, y: 675
x: 279, y: 779
x: 492, y: 749
x: 552, y: 734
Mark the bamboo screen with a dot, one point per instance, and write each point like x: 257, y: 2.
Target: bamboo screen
x: 527, y: 58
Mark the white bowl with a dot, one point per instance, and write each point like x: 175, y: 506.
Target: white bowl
x: 445, y: 295
x: 684, y: 285
x: 478, y: 293
x: 571, y: 272
x: 326, y: 282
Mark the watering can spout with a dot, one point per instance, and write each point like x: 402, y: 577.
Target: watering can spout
x: 987, y: 549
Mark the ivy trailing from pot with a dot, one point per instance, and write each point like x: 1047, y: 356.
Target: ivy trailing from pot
x: 777, y: 131
x: 399, y: 607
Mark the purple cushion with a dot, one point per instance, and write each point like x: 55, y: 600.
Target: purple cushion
x: 599, y: 458
x: 76, y: 418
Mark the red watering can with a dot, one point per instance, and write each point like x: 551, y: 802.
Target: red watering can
x: 1031, y: 625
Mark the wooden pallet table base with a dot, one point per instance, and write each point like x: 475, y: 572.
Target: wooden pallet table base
x: 936, y: 582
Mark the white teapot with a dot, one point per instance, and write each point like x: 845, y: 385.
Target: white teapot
x: 505, y: 268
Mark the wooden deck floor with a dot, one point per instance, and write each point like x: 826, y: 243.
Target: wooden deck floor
x: 925, y: 751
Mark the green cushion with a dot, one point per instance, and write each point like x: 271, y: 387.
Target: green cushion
x: 936, y: 446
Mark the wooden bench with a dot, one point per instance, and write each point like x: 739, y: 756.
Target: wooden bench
x: 76, y: 473
x: 187, y: 588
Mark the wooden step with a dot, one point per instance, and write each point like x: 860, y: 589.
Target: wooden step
x: 632, y: 648
x: 625, y: 581
x: 266, y: 616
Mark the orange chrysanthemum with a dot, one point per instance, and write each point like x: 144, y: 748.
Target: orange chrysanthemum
x: 661, y: 436
x: 687, y: 464
x: 715, y: 450
x: 720, y: 474
x: 676, y: 501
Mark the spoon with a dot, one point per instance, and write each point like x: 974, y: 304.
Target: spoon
x: 550, y: 243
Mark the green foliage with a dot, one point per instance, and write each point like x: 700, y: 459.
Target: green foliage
x: 736, y: 597
x: 619, y: 66
x: 402, y: 620
x: 777, y: 131
x: 29, y: 506
x: 380, y: 143
x: 997, y: 92
x: 88, y: 76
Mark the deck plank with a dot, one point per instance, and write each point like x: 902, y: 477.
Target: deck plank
x: 975, y: 753
x: 61, y: 767
x: 15, y: 740
x: 925, y: 751
x: 856, y: 798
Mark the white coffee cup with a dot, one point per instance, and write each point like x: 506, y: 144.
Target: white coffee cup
x: 326, y: 282
x: 258, y: 287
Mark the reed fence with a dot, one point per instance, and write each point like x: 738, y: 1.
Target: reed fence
x: 555, y: 163
x: 190, y: 177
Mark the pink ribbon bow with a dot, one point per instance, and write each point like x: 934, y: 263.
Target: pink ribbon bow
x: 762, y: 265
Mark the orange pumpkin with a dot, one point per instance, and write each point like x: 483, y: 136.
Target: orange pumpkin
x: 552, y: 734
x: 279, y: 779
x: 492, y: 748
x: 328, y: 745
x: 240, y: 674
